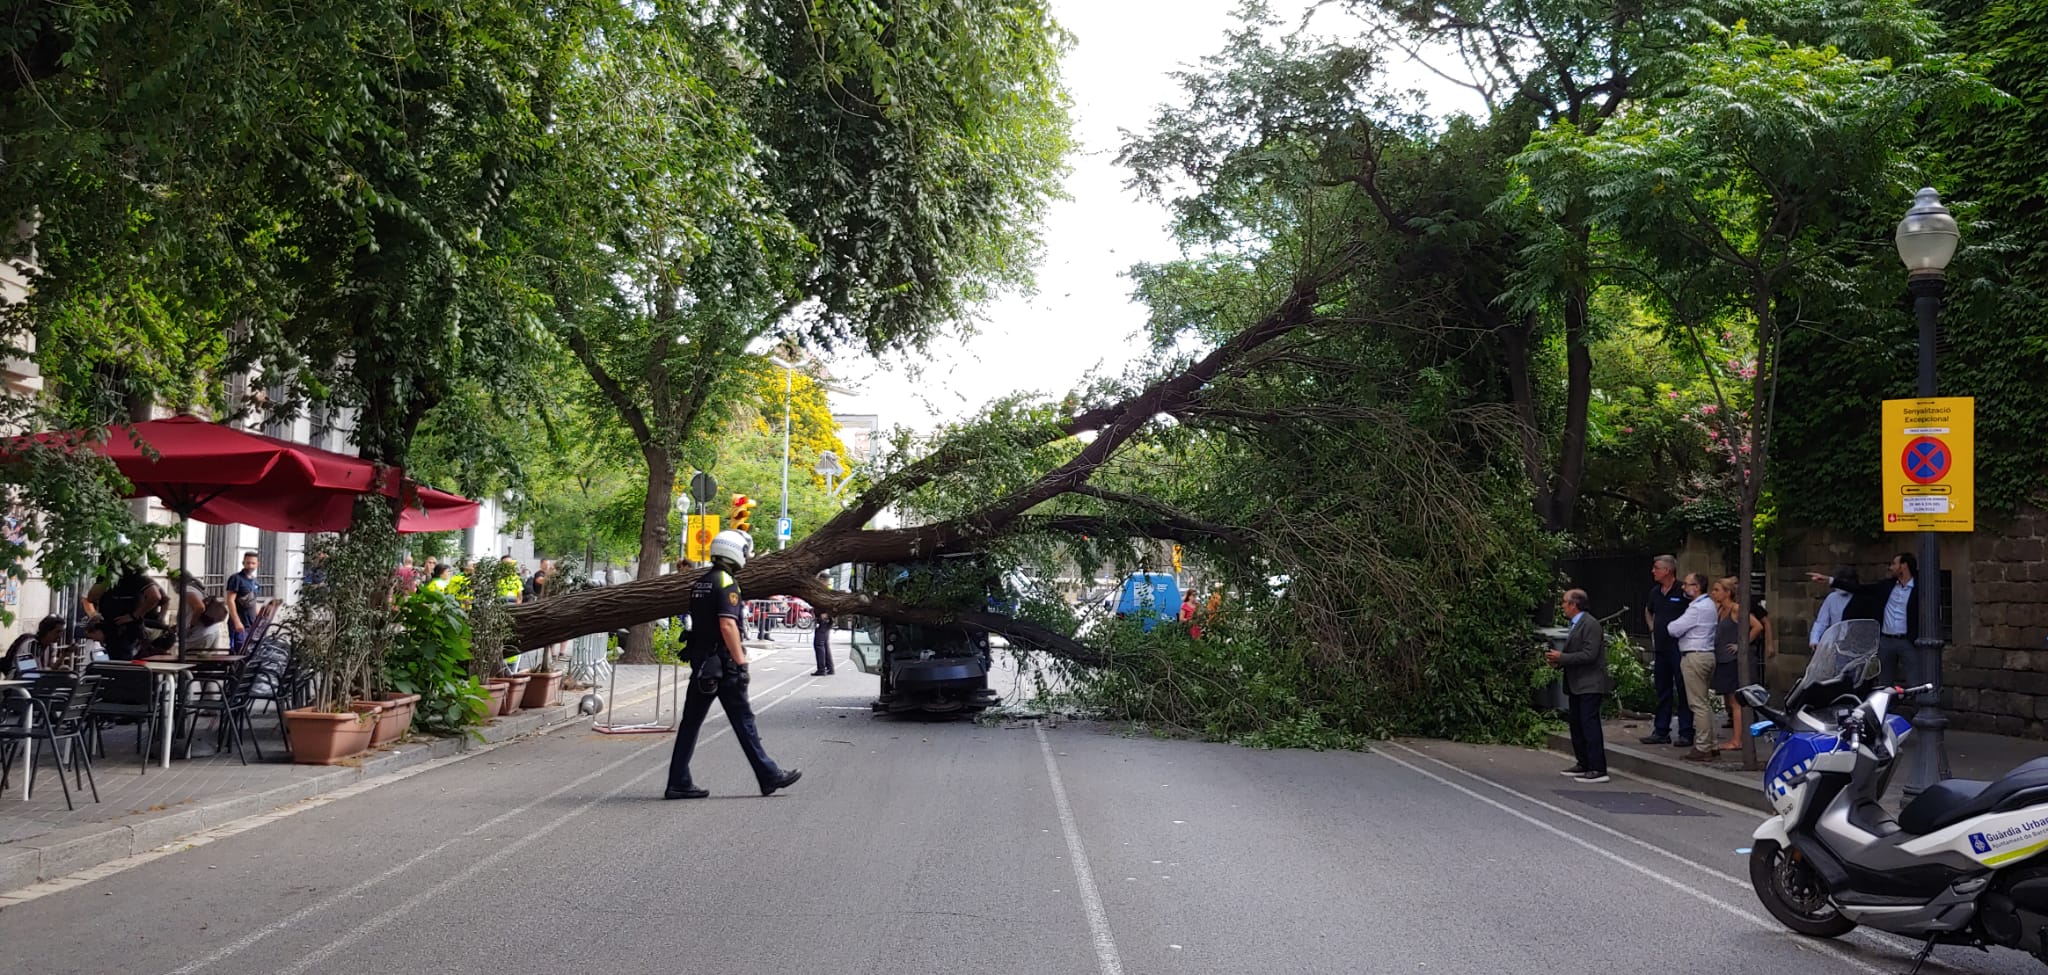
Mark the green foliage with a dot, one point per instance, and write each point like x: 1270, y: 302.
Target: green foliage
x: 490, y: 624
x: 1633, y: 690
x: 343, y: 627
x: 431, y: 658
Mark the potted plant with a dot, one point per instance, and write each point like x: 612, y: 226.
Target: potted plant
x: 342, y: 630
x: 490, y: 632
x: 545, y: 687
x: 429, y: 661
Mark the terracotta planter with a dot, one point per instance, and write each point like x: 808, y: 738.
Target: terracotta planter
x: 325, y: 738
x: 544, y: 690
x: 394, y: 716
x: 515, y: 692
x: 499, y: 688
x: 406, y: 704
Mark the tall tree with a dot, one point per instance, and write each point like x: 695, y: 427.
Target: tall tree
x: 880, y: 174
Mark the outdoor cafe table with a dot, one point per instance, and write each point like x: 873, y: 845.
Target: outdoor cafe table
x: 167, y: 679
x: 28, y: 779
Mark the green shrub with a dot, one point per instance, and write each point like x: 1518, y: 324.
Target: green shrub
x: 431, y: 658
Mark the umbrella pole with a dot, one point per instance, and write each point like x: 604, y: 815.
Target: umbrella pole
x: 184, y: 576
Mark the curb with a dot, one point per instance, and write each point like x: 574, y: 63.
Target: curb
x: 1738, y: 787
x: 63, y: 852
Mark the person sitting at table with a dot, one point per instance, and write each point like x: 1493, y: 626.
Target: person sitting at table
x: 92, y: 642
x: 209, y: 630
x: 25, y: 656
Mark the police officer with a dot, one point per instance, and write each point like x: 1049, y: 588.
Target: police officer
x: 821, y: 642
x: 718, y: 671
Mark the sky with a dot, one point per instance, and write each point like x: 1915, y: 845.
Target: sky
x: 1081, y: 317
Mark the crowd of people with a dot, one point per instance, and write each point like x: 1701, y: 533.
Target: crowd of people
x: 1699, y: 634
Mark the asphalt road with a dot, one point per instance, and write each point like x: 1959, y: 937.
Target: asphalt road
x: 949, y: 848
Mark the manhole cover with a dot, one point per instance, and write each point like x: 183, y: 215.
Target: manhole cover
x: 1631, y: 803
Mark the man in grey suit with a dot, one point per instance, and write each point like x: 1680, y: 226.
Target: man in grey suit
x: 1586, y: 685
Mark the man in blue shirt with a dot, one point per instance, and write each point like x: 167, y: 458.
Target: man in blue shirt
x: 242, y: 590
x: 1898, y: 622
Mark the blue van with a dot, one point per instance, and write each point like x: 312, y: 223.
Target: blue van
x: 1150, y: 597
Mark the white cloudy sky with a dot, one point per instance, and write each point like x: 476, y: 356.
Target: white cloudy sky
x: 1082, y: 317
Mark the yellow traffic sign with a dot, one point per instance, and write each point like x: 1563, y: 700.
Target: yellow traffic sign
x: 700, y: 532
x: 1927, y: 457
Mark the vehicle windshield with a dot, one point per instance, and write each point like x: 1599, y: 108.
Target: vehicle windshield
x: 1845, y: 651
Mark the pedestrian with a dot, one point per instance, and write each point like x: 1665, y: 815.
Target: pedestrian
x: 440, y: 578
x: 1898, y: 623
x: 242, y: 590
x: 1729, y: 640
x: 407, y: 578
x: 125, y: 604
x: 1586, y: 685
x: 1187, y: 615
x: 821, y: 643
x: 1695, y: 630
x: 512, y: 584
x: 718, y: 671
x: 1665, y: 604
x: 1832, y: 606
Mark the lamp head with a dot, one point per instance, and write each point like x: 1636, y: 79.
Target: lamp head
x: 1927, y: 237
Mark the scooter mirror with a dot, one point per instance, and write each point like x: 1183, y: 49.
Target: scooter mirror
x: 1753, y: 696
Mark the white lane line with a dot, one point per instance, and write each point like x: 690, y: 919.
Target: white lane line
x: 327, y: 903
x: 1870, y: 935
x: 1678, y: 885
x: 1106, y: 958
x: 414, y: 902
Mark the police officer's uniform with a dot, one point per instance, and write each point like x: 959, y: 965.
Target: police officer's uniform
x: 713, y: 676
x: 821, y: 644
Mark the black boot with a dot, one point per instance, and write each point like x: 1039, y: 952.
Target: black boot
x: 688, y: 793
x: 785, y: 780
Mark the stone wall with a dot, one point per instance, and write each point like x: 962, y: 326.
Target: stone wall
x: 1995, y: 670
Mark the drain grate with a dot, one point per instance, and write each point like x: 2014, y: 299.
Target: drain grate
x: 1631, y: 803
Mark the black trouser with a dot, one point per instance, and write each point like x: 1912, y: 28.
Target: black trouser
x: 1670, y: 684
x: 1589, y: 743
x: 730, y: 691
x: 821, y: 647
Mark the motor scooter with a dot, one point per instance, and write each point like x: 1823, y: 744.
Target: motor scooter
x: 1960, y: 865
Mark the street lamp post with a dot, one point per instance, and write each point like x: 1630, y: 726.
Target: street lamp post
x: 788, y: 387
x: 1927, y: 240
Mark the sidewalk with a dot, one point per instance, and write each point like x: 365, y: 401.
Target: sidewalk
x: 140, y: 811
x: 1971, y: 756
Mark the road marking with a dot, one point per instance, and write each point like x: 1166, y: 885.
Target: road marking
x: 1106, y: 957
x: 327, y: 903
x: 58, y: 885
x: 1675, y: 884
x: 1866, y: 934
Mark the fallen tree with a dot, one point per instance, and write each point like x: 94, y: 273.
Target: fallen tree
x: 1108, y: 429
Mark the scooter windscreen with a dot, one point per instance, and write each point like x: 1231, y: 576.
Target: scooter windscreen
x: 1843, y: 663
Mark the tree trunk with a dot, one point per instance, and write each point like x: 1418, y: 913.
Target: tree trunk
x: 1578, y: 396
x: 661, y: 483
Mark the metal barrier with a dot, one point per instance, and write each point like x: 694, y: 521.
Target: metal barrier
x: 588, y: 661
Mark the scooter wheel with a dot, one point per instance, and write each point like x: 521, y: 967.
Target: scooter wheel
x: 1794, y: 893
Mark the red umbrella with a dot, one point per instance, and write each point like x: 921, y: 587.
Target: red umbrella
x: 222, y: 475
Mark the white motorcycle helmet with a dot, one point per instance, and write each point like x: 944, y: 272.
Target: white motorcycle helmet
x: 733, y: 546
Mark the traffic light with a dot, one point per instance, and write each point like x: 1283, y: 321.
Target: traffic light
x: 742, y: 512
